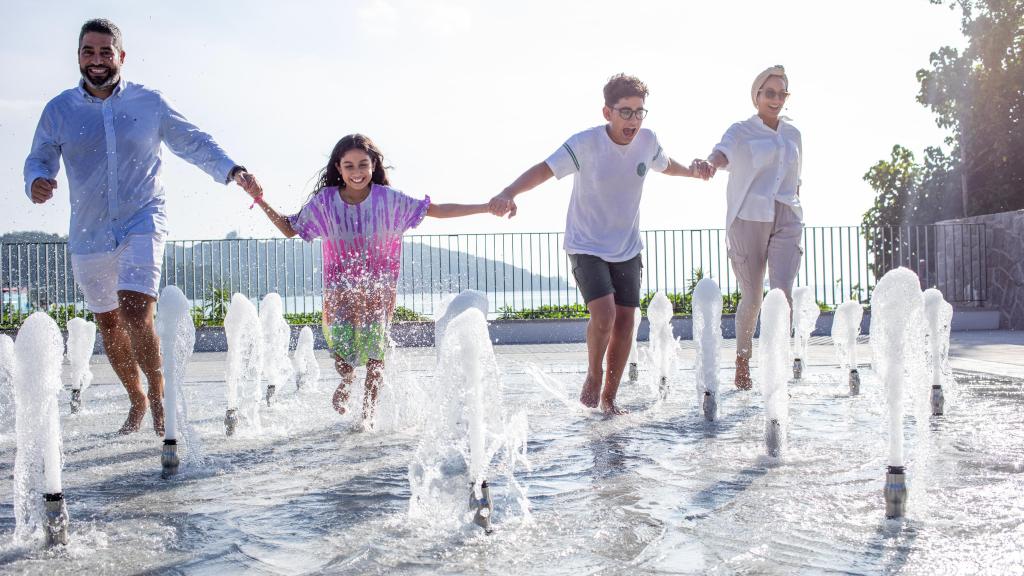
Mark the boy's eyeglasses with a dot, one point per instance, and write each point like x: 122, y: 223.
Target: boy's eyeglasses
x: 772, y: 94
x: 627, y: 113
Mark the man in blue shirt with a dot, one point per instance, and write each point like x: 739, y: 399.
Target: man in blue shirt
x: 109, y: 131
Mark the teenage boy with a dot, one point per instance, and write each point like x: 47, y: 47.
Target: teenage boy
x: 109, y: 132
x: 602, y: 227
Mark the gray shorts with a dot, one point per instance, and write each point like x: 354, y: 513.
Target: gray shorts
x: 596, y: 278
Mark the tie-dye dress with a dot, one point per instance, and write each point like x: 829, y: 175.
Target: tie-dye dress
x: 362, y: 254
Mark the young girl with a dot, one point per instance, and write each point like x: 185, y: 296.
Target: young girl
x: 360, y: 220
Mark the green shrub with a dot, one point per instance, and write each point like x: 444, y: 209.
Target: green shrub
x: 545, y: 311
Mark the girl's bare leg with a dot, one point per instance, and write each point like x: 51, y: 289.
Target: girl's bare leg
x: 374, y: 377
x: 347, y: 373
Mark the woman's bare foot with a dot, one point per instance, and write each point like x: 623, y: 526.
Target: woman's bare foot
x: 743, y: 381
x: 591, y: 391
x: 135, y: 416
x: 340, y: 399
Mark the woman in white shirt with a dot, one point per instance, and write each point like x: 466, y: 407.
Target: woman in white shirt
x: 764, y: 220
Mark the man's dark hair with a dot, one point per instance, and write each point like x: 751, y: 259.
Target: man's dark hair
x: 622, y: 86
x: 102, y: 26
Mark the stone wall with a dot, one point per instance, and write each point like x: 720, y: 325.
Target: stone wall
x: 1004, y: 259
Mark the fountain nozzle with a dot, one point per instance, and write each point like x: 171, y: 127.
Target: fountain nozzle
x: 710, y: 405
x: 938, y: 401
x: 663, y: 387
x: 76, y: 400
x: 773, y: 437
x: 56, y: 519
x: 270, y: 393
x: 483, y: 507
x: 895, y: 492
x: 634, y: 372
x: 169, y: 459
x: 854, y: 382
x: 230, y: 421
x: 798, y: 368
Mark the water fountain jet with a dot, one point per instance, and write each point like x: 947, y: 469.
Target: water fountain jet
x: 307, y: 370
x: 277, y: 368
x: 634, y: 350
x: 177, y: 342
x: 845, y: 328
x: 663, y: 345
x: 896, y: 333
x: 81, y: 340
x: 244, y: 363
x: 773, y: 351
x: 707, y: 335
x: 939, y: 315
x: 805, y: 319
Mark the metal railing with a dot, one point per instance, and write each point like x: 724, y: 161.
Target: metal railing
x: 516, y: 270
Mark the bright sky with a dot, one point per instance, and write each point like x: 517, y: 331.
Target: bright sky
x: 462, y: 96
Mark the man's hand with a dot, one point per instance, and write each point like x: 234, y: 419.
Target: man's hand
x: 502, y: 204
x: 42, y: 189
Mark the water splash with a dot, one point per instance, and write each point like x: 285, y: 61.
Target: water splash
x: 307, y: 370
x: 634, y: 349
x: 845, y: 328
x: 467, y: 437
x: 277, y: 368
x: 453, y: 305
x: 773, y: 356
x: 244, y: 360
x: 38, y: 353
x: 663, y: 345
x: 707, y: 335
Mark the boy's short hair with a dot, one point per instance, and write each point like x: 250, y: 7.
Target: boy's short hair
x: 102, y: 26
x: 623, y: 86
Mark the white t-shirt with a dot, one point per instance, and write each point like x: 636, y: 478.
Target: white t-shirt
x: 604, y: 211
x: 764, y: 168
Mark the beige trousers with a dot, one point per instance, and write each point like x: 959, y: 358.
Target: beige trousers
x: 754, y: 246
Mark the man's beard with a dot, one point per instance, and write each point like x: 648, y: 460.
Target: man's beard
x: 110, y: 79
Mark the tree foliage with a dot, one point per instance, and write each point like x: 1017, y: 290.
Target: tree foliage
x: 978, y: 95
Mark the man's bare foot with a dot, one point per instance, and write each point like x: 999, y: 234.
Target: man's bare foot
x: 609, y: 407
x: 743, y: 381
x: 134, y: 420
x: 591, y: 391
x: 340, y: 399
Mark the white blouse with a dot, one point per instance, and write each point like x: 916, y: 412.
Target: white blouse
x: 764, y: 168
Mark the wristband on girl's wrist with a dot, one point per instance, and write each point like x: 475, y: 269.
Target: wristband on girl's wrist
x: 257, y: 200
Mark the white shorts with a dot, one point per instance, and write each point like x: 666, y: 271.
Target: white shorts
x: 134, y: 266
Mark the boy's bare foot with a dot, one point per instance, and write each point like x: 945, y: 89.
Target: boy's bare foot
x: 609, y: 407
x: 743, y: 381
x: 135, y: 415
x: 340, y: 399
x: 591, y: 391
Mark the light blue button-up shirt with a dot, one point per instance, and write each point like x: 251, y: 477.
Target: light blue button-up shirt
x: 112, y: 153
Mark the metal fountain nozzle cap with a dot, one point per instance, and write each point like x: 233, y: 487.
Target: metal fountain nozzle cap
x: 798, y: 368
x: 634, y: 372
x: 76, y: 400
x: 710, y: 405
x: 169, y: 460
x: 483, y: 507
x: 938, y: 401
x: 56, y: 512
x: 773, y: 437
x: 854, y: 382
x: 271, y: 388
x: 895, y: 492
x: 230, y: 421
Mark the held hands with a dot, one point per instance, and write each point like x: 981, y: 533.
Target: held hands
x: 249, y: 183
x: 502, y: 204
x: 702, y: 169
x: 42, y: 189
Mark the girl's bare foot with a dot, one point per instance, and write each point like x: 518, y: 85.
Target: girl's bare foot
x: 610, y: 408
x: 135, y: 415
x: 591, y: 391
x: 340, y: 399
x: 157, y: 410
x: 743, y: 381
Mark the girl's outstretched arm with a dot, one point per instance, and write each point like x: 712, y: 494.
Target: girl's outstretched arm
x: 249, y: 183
x: 455, y: 210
